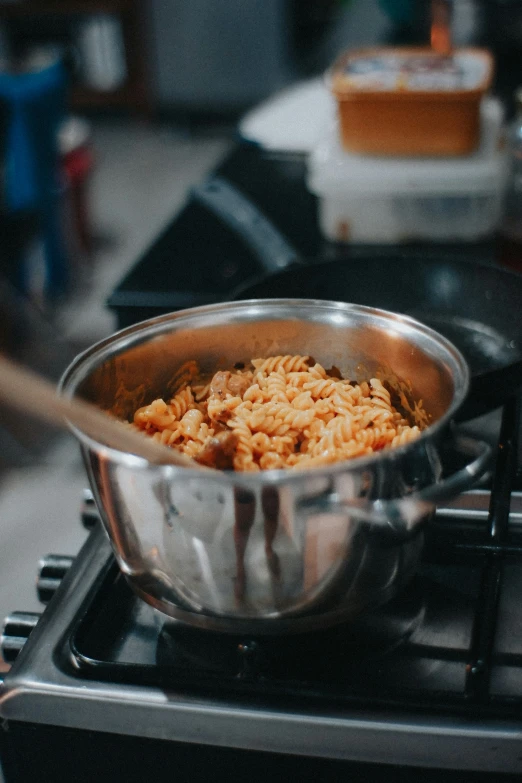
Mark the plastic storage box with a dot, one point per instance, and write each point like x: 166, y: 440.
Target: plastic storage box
x: 411, y: 101
x: 371, y: 199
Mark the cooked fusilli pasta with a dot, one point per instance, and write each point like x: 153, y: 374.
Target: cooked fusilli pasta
x: 283, y: 412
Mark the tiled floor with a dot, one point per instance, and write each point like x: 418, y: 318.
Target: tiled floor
x: 140, y: 181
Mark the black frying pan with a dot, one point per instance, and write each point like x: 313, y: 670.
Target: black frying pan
x: 477, y: 307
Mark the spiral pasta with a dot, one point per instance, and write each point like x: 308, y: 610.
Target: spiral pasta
x: 283, y: 412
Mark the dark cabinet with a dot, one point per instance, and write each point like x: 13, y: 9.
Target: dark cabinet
x: 105, y: 41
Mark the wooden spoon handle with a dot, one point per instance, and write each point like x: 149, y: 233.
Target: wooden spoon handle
x: 36, y: 397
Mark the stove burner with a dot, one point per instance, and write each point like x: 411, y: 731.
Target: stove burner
x: 320, y: 654
x: 415, y: 647
x: 323, y: 655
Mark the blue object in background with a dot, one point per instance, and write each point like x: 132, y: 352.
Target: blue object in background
x: 36, y: 104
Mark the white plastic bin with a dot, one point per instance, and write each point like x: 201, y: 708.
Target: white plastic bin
x: 398, y: 200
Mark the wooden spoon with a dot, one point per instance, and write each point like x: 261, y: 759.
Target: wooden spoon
x: 34, y: 396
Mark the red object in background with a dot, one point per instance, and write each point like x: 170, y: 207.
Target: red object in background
x: 77, y: 165
x: 440, y: 30
x: 510, y: 252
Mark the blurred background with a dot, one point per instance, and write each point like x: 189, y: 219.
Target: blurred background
x: 112, y: 115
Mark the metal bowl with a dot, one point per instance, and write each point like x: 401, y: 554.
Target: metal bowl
x: 273, y: 551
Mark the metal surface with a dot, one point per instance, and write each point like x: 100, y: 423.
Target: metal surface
x: 475, y: 505
x: 234, y: 551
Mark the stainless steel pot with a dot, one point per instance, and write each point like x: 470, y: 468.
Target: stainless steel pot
x: 276, y: 551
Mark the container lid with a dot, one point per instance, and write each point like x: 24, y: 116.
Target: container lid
x: 333, y: 171
x: 408, y: 72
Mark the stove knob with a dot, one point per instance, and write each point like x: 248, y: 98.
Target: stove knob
x: 51, y: 571
x: 89, y: 512
x: 16, y: 631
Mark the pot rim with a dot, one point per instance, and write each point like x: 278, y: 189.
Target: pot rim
x: 138, y: 333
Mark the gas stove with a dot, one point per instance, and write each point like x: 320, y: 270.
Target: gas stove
x: 430, y: 684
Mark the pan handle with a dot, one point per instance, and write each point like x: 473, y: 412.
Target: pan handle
x: 398, y: 519
x: 240, y: 214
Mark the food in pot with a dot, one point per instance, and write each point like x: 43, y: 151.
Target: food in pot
x: 281, y: 412
x: 348, y: 533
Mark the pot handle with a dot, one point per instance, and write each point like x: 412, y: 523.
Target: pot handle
x: 245, y: 219
x: 399, y: 519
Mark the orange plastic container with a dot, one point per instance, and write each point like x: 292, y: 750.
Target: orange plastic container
x: 411, y: 101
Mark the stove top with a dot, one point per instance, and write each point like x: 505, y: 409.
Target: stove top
x: 422, y: 650
x: 432, y: 679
